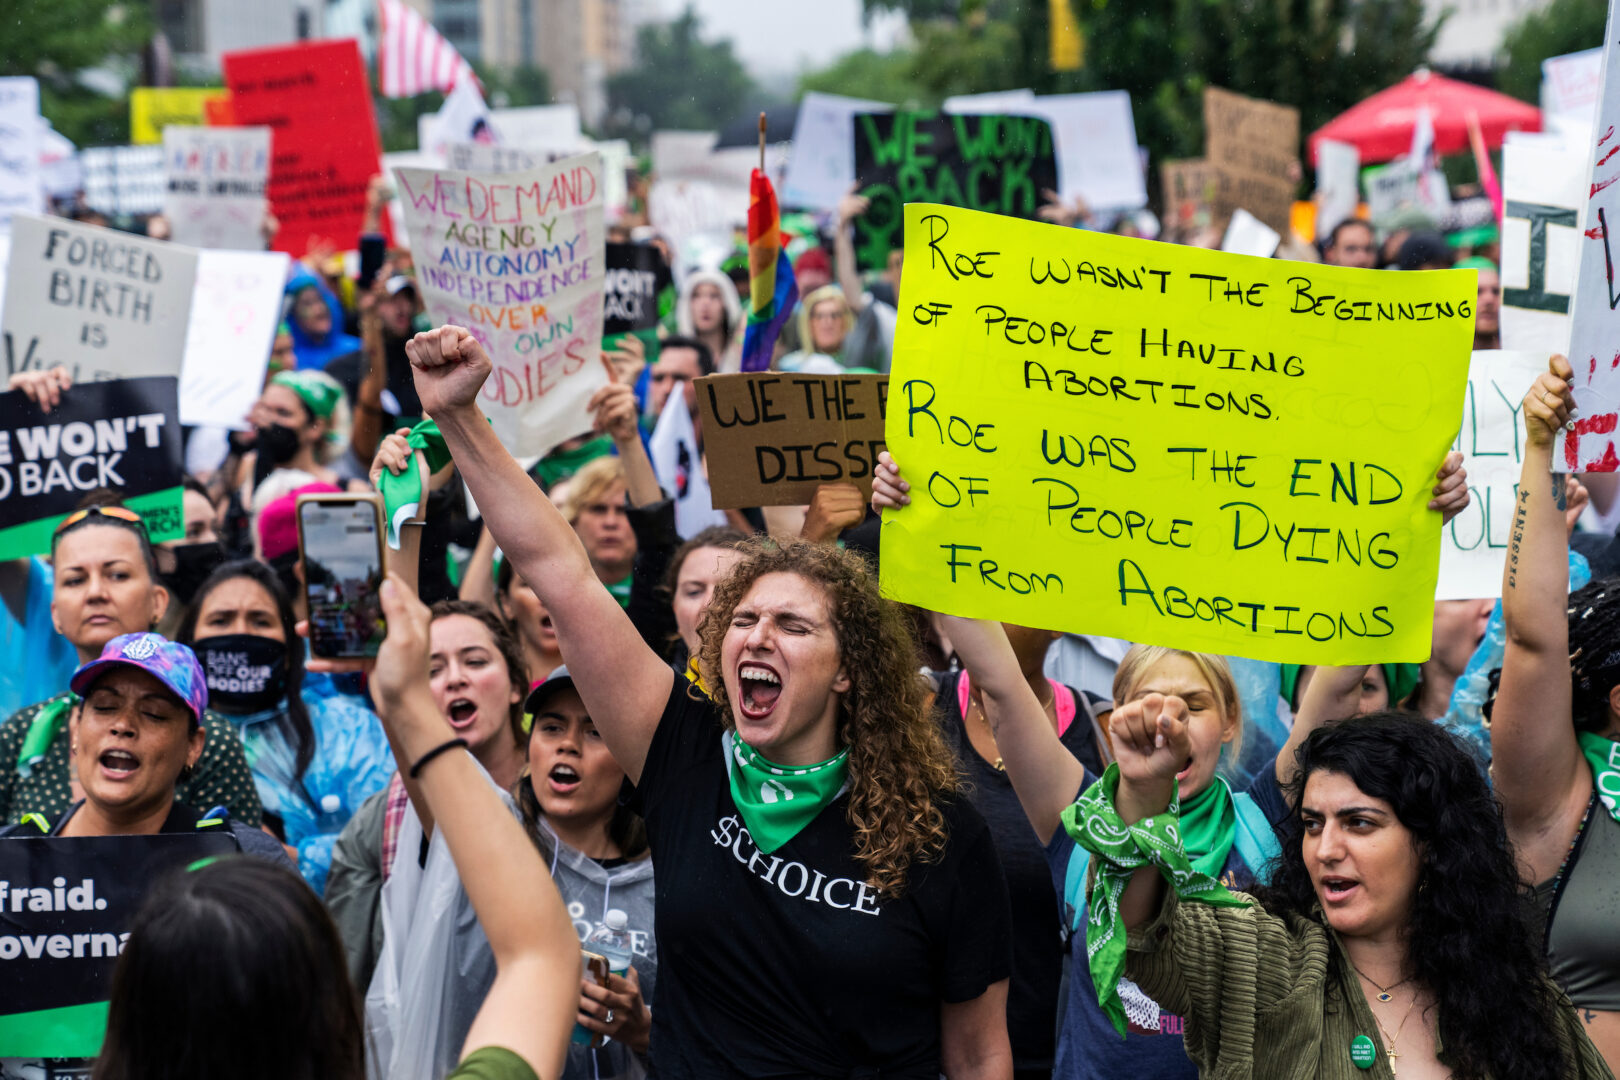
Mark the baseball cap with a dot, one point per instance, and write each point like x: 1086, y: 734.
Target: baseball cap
x: 398, y: 284
x: 172, y: 664
x: 558, y: 679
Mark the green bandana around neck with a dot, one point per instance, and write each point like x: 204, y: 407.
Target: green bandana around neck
x: 1603, y: 755
x: 1209, y: 827
x: 1118, y: 851
x: 777, y: 802
x: 42, y: 731
x: 402, y: 494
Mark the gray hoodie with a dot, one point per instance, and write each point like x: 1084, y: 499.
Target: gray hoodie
x: 589, y: 891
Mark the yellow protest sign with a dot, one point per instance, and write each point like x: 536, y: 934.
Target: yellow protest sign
x: 1170, y: 445
x: 153, y: 108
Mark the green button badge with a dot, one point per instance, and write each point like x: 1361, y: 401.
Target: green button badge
x: 1363, y: 1052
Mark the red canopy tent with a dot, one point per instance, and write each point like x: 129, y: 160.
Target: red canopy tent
x: 1381, y: 126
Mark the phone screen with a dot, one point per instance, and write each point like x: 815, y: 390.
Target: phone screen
x: 342, y: 575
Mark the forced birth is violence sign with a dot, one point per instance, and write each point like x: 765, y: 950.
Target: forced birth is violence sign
x: 1171, y: 445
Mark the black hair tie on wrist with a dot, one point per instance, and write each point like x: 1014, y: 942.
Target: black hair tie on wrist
x: 422, y: 761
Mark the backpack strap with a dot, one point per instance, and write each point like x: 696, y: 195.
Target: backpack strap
x: 1256, y: 840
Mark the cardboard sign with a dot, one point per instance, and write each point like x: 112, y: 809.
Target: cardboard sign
x: 1189, y: 192
x: 1544, y: 188
x: 517, y: 258
x: 996, y: 163
x: 123, y: 434
x: 234, y: 312
x: 106, y: 304
x: 317, y: 98
x: 773, y: 437
x: 154, y: 108
x: 821, y: 163
x: 65, y: 905
x: 1252, y: 144
x: 123, y: 179
x: 1170, y: 445
x: 20, y: 190
x: 1491, y: 439
x: 216, y: 184
x: 636, y: 274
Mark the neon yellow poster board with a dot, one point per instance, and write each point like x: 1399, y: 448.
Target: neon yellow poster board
x: 153, y: 108
x: 1170, y: 445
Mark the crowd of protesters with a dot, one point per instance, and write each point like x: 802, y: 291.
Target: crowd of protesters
x: 836, y: 836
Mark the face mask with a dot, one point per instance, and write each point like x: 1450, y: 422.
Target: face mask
x: 192, y: 565
x: 277, y: 444
x: 246, y: 673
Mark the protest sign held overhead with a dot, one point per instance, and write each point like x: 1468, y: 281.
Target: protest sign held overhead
x: 821, y: 162
x: 1171, y: 445
x: 316, y: 97
x: 996, y: 163
x: 152, y: 109
x: 772, y: 437
x: 1491, y: 440
x: 235, y: 308
x: 123, y: 434
x: 215, y: 186
x: 65, y: 906
x: 105, y: 304
x: 20, y: 191
x: 1253, y: 146
x: 517, y: 259
x: 123, y: 179
x: 636, y: 275
x: 1189, y: 192
x: 1544, y: 185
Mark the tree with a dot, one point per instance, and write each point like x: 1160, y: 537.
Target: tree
x: 54, y: 40
x: 679, y: 81
x: 866, y: 73
x: 1563, y: 26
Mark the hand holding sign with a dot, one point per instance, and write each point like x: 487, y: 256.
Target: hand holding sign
x: 833, y: 508
x: 1550, y: 403
x: 614, y: 407
x: 449, y: 367
x: 43, y: 388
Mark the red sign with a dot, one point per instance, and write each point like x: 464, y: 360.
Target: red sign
x: 317, y: 98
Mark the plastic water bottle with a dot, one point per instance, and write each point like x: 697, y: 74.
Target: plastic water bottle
x: 611, y: 941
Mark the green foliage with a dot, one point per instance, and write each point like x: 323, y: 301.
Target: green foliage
x: 678, y: 81
x: 877, y: 76
x: 53, y: 40
x: 1563, y: 26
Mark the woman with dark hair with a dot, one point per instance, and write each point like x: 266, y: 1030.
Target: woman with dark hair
x: 1390, y: 940
x: 801, y: 787
x: 1555, y: 729
x: 232, y: 970
x: 527, y: 616
x: 316, y: 755
x: 694, y: 570
x: 596, y: 845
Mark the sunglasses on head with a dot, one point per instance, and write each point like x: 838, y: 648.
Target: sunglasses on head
x: 118, y: 513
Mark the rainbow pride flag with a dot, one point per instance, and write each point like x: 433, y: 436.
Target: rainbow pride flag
x: 772, y: 291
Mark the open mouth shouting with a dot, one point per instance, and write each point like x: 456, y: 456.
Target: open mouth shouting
x: 759, y: 687
x: 1337, y: 890
x: 462, y: 714
x: 563, y: 778
x: 118, y: 764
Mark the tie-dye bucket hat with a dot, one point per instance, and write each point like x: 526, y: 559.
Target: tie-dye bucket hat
x: 172, y: 664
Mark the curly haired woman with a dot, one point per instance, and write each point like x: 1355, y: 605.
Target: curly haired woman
x: 836, y: 908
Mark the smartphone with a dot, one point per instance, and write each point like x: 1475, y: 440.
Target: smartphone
x: 340, y: 540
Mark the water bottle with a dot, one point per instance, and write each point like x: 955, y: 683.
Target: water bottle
x: 611, y: 941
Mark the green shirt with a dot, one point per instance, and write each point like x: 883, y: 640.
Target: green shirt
x: 220, y: 778
x: 492, y: 1063
x: 1254, y: 989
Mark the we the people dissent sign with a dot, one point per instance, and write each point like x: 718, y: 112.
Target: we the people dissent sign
x: 1170, y: 445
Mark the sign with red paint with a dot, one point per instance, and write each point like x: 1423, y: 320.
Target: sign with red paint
x: 1594, y: 339
x: 518, y: 259
x: 315, y: 97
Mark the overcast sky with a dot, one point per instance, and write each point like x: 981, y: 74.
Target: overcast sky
x: 777, y: 38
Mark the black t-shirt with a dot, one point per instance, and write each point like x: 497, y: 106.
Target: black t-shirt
x: 788, y: 965
x: 1038, y: 941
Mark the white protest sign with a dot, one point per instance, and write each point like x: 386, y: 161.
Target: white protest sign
x: 1570, y: 83
x: 539, y: 127
x: 1248, y: 235
x: 59, y: 170
x: 462, y: 118
x: 1594, y: 334
x: 1097, y: 156
x: 519, y: 260
x: 821, y: 164
x: 216, y: 187
x: 1491, y: 439
x: 490, y: 158
x: 123, y: 179
x: 1337, y: 168
x: 1543, y: 188
x: 234, y: 311
x: 1011, y: 102
x: 106, y: 304
x: 20, y: 190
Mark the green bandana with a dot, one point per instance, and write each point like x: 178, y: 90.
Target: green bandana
x: 402, y: 494
x: 42, y: 731
x: 621, y: 590
x: 316, y: 389
x: 777, y: 802
x: 1209, y: 827
x: 1119, y: 850
x: 561, y: 464
x: 1604, y: 757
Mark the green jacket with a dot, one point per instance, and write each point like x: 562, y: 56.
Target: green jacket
x: 1263, y: 995
x: 220, y: 778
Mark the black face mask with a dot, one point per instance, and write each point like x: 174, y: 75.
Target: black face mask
x: 277, y: 444
x: 192, y: 565
x: 246, y: 673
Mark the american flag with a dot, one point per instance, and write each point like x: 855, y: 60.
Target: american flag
x: 412, y: 57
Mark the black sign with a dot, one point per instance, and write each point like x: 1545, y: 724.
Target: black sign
x: 999, y: 164
x: 636, y: 275
x: 123, y: 434
x: 65, y: 909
